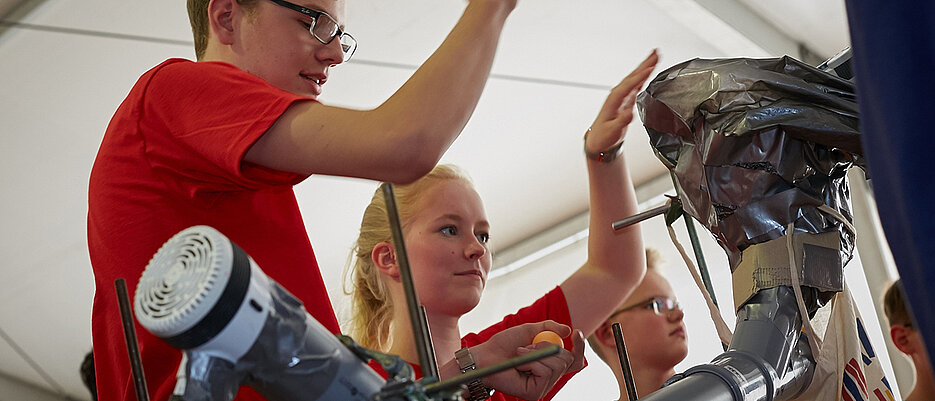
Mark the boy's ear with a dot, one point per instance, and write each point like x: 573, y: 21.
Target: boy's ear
x: 605, y: 335
x: 900, y: 336
x: 384, y: 257
x: 221, y: 19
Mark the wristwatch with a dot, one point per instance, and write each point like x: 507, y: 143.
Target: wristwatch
x: 476, y: 389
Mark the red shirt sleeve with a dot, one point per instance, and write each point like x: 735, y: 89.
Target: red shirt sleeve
x: 197, y: 129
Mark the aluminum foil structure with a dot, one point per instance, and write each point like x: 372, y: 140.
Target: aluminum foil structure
x: 759, y: 150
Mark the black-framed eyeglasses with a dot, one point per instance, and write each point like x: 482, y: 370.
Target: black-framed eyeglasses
x: 660, y: 305
x: 324, y: 28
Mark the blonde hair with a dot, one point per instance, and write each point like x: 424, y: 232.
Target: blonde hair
x: 653, y: 260
x: 894, y: 305
x: 371, y: 305
x: 201, y: 27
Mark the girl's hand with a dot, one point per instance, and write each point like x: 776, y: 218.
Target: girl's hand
x: 610, y: 126
x: 533, y: 380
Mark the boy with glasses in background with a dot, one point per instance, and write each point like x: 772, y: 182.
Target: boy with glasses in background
x: 221, y: 142
x: 651, y: 322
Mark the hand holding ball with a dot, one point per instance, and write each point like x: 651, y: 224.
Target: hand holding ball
x: 549, y: 337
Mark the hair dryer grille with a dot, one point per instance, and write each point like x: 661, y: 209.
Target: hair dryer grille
x: 184, y: 281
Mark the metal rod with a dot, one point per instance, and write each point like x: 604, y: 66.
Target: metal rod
x: 478, y: 373
x: 699, y: 257
x: 624, y: 362
x: 433, y: 367
x: 636, y: 218
x: 696, y: 248
x: 423, y: 343
x: 129, y: 334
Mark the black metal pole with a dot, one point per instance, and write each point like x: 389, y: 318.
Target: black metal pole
x: 129, y: 334
x: 624, y: 362
x: 433, y: 362
x: 696, y: 246
x: 699, y: 256
x: 419, y: 327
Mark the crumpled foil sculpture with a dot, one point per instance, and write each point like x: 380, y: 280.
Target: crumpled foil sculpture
x: 754, y: 145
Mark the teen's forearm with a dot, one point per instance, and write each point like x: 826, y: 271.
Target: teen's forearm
x: 616, y: 261
x: 612, y: 197
x: 405, y: 137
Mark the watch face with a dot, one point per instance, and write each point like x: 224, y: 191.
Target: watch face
x: 465, y: 359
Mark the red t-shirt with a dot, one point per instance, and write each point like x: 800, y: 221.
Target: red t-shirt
x: 552, y: 306
x: 172, y: 157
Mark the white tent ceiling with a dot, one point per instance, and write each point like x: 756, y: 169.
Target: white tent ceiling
x: 66, y: 65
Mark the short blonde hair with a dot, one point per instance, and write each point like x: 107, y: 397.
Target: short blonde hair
x: 371, y: 305
x: 653, y: 260
x: 201, y: 27
x: 894, y: 305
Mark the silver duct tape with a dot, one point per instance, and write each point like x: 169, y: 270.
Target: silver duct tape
x: 766, y: 265
x: 296, y: 358
x: 293, y: 359
x: 757, y: 144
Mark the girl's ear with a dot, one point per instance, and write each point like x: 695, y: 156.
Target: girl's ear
x: 384, y: 257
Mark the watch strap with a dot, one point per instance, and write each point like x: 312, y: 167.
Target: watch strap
x: 476, y: 389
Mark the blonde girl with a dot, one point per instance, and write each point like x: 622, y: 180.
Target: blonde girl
x: 446, y: 232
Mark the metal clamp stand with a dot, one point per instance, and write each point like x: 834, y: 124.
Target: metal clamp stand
x: 624, y: 362
x: 129, y: 334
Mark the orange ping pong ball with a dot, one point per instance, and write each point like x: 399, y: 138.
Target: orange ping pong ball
x: 548, y: 336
